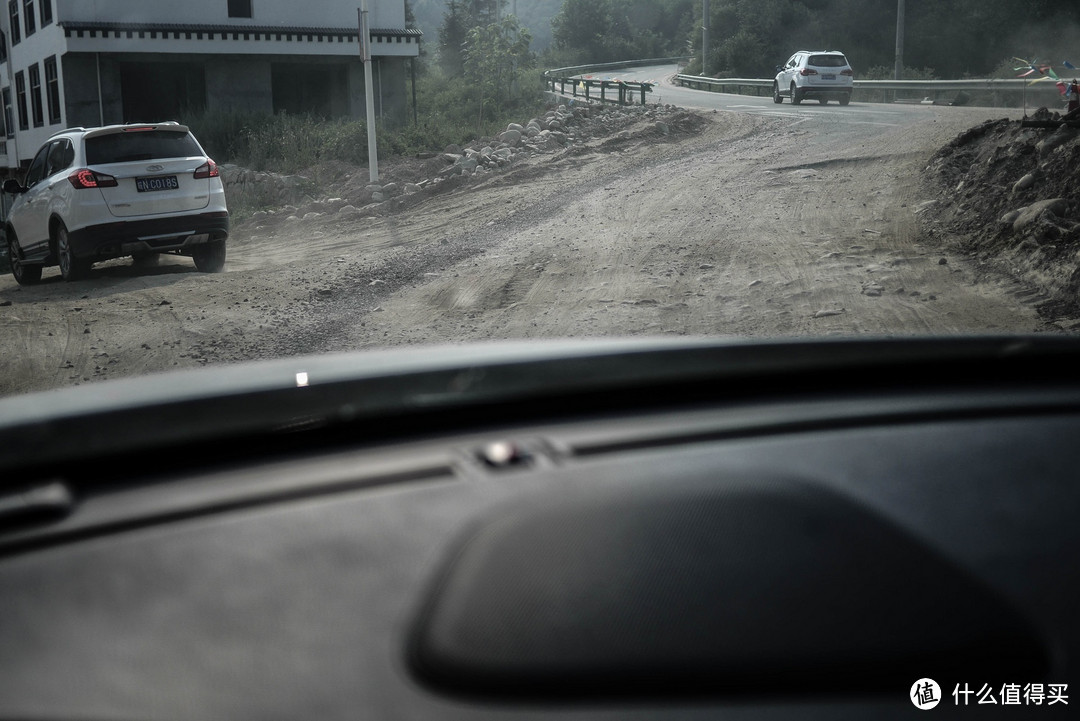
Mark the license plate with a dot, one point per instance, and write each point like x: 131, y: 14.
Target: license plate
x: 165, y: 182
x: 828, y: 77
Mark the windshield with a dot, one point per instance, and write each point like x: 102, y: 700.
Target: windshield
x: 494, y: 170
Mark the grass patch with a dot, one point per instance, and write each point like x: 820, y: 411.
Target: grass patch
x: 448, y: 112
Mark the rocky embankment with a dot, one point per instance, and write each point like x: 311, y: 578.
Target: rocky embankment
x: 1010, y: 196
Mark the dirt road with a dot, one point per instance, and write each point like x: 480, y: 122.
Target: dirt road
x: 750, y: 226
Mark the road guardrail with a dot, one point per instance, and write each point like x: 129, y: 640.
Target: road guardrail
x: 1014, y: 88
x: 624, y: 93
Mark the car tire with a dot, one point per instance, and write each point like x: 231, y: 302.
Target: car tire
x: 71, y: 267
x: 209, y: 257
x: 796, y: 95
x: 24, y: 274
x: 776, y: 97
x: 844, y: 100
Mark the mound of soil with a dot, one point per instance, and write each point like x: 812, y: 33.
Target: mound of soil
x: 1009, y: 195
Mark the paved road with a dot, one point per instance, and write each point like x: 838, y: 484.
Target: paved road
x: 854, y: 114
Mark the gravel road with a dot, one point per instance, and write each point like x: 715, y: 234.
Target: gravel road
x: 752, y: 226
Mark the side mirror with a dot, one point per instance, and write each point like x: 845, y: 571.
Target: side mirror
x: 779, y: 68
x: 12, y: 186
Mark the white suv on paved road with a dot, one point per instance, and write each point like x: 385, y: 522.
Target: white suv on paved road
x: 823, y: 75
x: 92, y: 194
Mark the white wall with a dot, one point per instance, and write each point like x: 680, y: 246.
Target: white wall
x: 45, y: 42
x: 317, y: 13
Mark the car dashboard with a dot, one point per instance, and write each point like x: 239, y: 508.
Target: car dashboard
x: 578, y: 530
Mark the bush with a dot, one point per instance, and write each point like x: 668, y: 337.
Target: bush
x: 887, y: 72
x: 281, y: 143
x: 449, y: 111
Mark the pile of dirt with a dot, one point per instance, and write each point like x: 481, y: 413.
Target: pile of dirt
x: 1009, y: 196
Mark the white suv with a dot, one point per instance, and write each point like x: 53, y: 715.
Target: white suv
x: 823, y: 75
x: 92, y: 194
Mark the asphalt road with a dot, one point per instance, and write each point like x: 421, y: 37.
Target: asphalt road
x: 854, y: 114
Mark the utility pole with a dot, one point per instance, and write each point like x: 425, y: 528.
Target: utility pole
x: 369, y: 93
x: 899, y: 71
x: 704, y: 37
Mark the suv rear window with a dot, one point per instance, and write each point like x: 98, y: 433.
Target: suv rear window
x: 827, y: 61
x: 142, y: 145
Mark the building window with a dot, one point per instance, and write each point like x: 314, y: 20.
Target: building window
x: 239, y: 8
x: 35, y: 95
x: 46, y: 12
x: 9, y: 116
x: 13, y: 13
x: 20, y: 98
x: 52, y: 90
x: 3, y: 47
x: 28, y: 17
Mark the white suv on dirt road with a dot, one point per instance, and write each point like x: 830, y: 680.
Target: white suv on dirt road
x: 822, y: 75
x: 92, y: 194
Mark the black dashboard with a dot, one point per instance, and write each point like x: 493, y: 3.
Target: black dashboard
x: 780, y: 530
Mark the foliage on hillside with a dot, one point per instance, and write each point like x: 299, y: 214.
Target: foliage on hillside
x: 595, y: 31
x: 535, y: 15
x: 954, y: 38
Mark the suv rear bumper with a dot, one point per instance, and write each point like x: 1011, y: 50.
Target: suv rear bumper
x: 115, y: 240
x: 814, y: 90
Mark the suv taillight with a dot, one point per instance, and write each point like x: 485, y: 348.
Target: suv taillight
x: 808, y: 71
x: 847, y: 71
x: 86, y: 178
x: 208, y: 169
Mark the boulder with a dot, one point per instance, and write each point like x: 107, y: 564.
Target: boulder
x: 1055, y: 140
x: 511, y: 137
x: 1031, y: 214
x: 1024, y: 183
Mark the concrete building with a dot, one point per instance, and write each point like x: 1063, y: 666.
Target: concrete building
x: 66, y: 63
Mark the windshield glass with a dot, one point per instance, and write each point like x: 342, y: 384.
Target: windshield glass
x: 492, y: 170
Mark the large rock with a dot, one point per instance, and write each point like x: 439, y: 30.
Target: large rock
x: 1025, y: 182
x: 1055, y: 140
x: 510, y: 137
x: 1031, y: 214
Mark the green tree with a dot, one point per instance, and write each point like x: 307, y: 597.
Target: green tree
x: 596, y: 31
x: 582, y: 28
x: 463, y: 16
x: 494, y: 57
x: 452, y: 34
